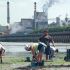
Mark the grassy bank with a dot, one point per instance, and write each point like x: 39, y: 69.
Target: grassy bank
x: 10, y: 62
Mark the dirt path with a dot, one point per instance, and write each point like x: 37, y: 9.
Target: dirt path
x: 43, y: 68
x: 49, y: 67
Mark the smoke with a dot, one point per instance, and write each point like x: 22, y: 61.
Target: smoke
x: 51, y: 2
x: 48, y: 4
x: 23, y: 26
x: 16, y: 28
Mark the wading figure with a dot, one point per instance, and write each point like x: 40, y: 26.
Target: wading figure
x: 2, y: 50
x: 46, y: 39
x: 33, y: 49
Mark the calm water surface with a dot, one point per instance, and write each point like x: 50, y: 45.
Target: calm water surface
x: 19, y: 47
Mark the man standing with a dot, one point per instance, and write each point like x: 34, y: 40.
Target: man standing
x: 46, y: 39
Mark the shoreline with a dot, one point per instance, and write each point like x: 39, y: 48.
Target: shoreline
x: 52, y: 67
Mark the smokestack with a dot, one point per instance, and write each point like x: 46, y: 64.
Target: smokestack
x: 34, y: 25
x: 8, y: 13
x: 35, y: 6
x: 8, y: 18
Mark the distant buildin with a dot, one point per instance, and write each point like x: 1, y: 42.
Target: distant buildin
x: 40, y: 19
x: 58, y: 20
x: 66, y: 20
x: 27, y: 24
x: 3, y: 30
x: 38, y: 22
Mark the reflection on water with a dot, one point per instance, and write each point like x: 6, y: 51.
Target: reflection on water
x: 19, y: 47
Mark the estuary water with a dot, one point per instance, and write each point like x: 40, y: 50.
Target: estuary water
x: 19, y: 47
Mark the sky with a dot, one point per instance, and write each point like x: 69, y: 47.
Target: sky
x: 25, y: 8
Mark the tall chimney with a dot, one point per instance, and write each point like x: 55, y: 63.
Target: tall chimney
x: 34, y: 6
x: 34, y: 25
x: 8, y: 13
x: 8, y: 18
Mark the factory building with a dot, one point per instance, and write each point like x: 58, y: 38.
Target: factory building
x: 38, y: 22
x: 41, y: 21
x: 3, y: 30
x: 29, y: 24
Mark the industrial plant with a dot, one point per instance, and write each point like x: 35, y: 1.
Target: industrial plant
x: 39, y: 21
x: 26, y: 28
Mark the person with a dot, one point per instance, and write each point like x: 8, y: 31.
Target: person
x: 2, y: 50
x: 33, y: 49
x: 44, y: 42
x: 52, y: 52
x: 41, y: 46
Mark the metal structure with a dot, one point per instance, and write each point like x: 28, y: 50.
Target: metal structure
x: 8, y: 13
x: 8, y: 17
x: 34, y: 15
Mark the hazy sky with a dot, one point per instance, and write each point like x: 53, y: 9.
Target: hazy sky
x: 25, y: 8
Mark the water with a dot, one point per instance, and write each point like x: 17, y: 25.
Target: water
x: 19, y: 47
x: 16, y: 49
x: 15, y: 46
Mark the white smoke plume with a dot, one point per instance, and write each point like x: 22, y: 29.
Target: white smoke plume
x: 20, y: 27
x: 49, y: 3
x: 16, y: 28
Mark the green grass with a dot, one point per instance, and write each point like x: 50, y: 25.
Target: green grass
x: 59, y: 60
x: 10, y: 61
